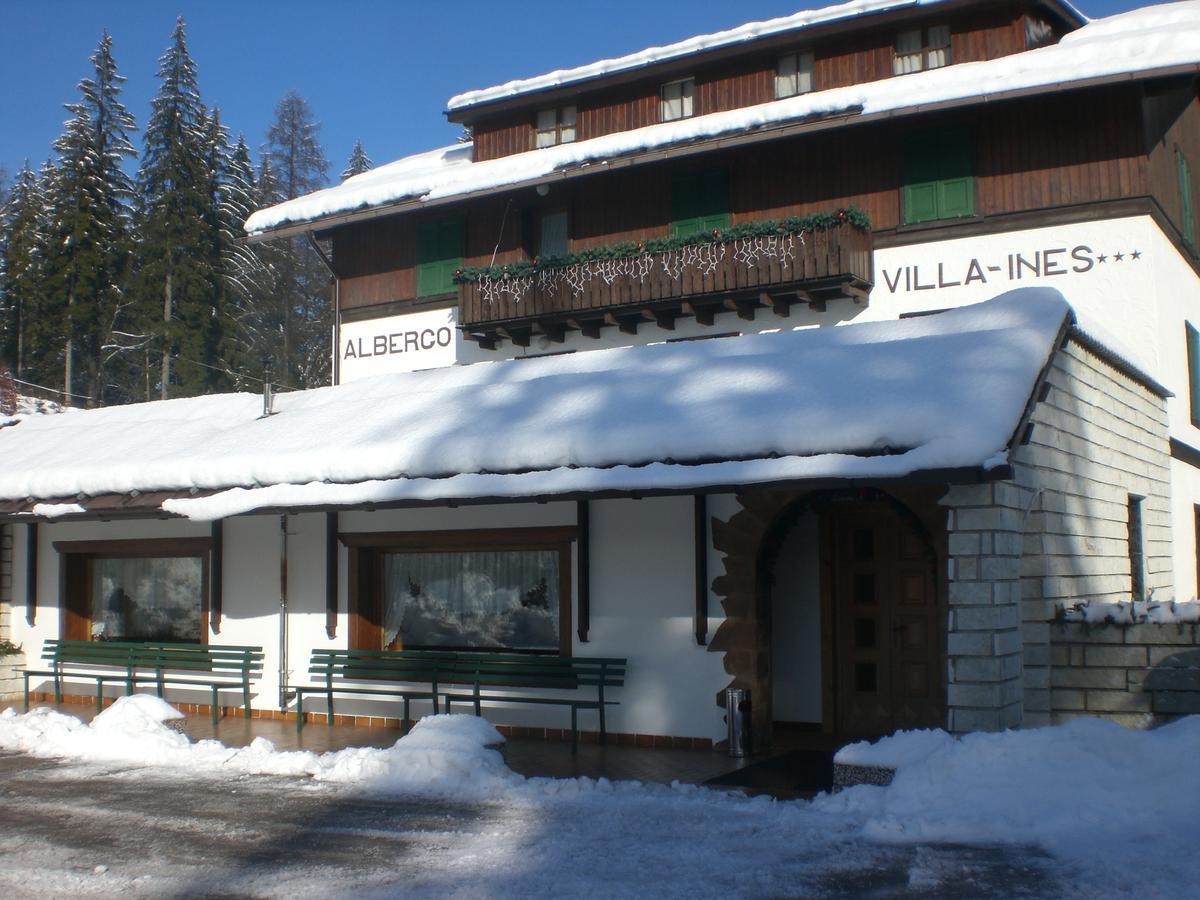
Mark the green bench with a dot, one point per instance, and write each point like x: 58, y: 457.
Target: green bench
x: 376, y: 667
x: 213, y: 666
x: 486, y: 673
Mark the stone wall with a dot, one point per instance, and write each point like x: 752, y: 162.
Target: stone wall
x: 1134, y: 674
x: 1099, y: 436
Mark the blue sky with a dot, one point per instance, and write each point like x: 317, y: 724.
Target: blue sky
x: 378, y: 71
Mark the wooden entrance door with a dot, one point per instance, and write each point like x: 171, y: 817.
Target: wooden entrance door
x: 887, y: 632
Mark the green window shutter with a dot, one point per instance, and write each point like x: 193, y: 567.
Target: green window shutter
x: 1186, y: 211
x: 699, y: 202
x: 439, y: 254
x: 1193, y: 361
x: 938, y: 180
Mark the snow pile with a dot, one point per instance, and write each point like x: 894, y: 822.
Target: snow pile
x: 1080, y: 790
x: 875, y: 399
x: 1134, y: 612
x: 446, y: 755
x: 901, y: 749
x: 741, y: 34
x: 1155, y: 38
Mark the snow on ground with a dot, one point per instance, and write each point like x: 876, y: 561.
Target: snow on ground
x: 1154, y: 38
x: 1115, y: 806
x: 906, y: 397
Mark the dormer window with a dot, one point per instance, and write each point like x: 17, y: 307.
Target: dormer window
x: 677, y: 99
x: 555, y: 126
x: 922, y: 48
x: 793, y: 75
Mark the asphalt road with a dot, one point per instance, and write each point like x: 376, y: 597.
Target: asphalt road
x: 74, y: 830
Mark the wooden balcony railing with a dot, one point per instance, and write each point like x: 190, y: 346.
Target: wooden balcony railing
x: 699, y: 280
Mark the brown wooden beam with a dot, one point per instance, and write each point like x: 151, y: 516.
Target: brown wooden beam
x: 556, y: 332
x: 518, y: 334
x: 331, y: 574
x: 485, y: 339
x: 746, y: 309
x: 626, y: 324
x: 216, y: 578
x: 700, y: 534
x: 663, y: 318
x: 583, y: 574
x: 31, y: 571
x: 588, y: 327
x: 704, y: 313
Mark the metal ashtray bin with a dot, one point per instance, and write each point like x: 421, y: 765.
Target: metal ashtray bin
x: 737, y: 717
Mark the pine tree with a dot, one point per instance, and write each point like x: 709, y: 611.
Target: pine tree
x: 358, y: 163
x: 89, y: 246
x: 299, y: 166
x: 22, y: 255
x: 250, y: 283
x: 176, y: 277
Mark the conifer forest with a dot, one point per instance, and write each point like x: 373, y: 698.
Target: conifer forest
x: 124, y: 272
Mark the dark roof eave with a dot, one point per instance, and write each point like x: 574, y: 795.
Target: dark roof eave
x: 959, y: 475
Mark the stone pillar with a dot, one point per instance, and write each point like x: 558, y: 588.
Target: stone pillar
x: 984, y: 683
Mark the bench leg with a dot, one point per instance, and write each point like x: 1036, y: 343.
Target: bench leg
x: 329, y: 708
x: 99, y: 694
x: 603, y: 733
x: 58, y: 689
x: 299, y: 711
x: 404, y: 724
x: 26, y: 674
x: 574, y: 729
x: 246, y: 699
x: 216, y: 710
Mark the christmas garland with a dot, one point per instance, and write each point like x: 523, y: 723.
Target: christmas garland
x: 631, y: 249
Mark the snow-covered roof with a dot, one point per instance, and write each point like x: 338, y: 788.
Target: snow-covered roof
x: 751, y: 31
x: 1148, y: 41
x: 874, y: 400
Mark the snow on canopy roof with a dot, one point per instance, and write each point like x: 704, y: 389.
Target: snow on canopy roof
x: 750, y: 31
x: 1152, y: 39
x: 880, y: 399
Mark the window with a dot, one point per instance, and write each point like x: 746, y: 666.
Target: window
x: 922, y: 48
x: 699, y: 202
x: 459, y: 589
x: 937, y: 175
x: 153, y: 590
x: 553, y: 238
x: 555, y: 126
x: 1193, y: 364
x: 676, y: 100
x: 1137, y: 552
x: 794, y: 75
x: 1187, y: 213
x: 439, y: 253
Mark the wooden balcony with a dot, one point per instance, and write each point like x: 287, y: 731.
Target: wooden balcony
x: 741, y: 275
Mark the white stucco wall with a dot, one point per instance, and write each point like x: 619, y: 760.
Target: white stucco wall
x: 642, y: 601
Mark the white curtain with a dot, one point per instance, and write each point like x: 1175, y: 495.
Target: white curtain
x: 477, y: 599
x: 147, y: 599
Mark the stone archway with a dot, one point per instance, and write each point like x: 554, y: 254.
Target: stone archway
x: 748, y: 541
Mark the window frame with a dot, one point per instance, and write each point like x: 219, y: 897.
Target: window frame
x: 365, y: 588
x: 797, y: 55
x: 1192, y: 338
x: 75, y: 600
x: 557, y: 130
x: 926, y: 49
x: 1136, y: 527
x: 687, y: 99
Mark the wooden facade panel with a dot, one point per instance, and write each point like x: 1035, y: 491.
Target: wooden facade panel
x: 1028, y: 155
x: 1172, y: 118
